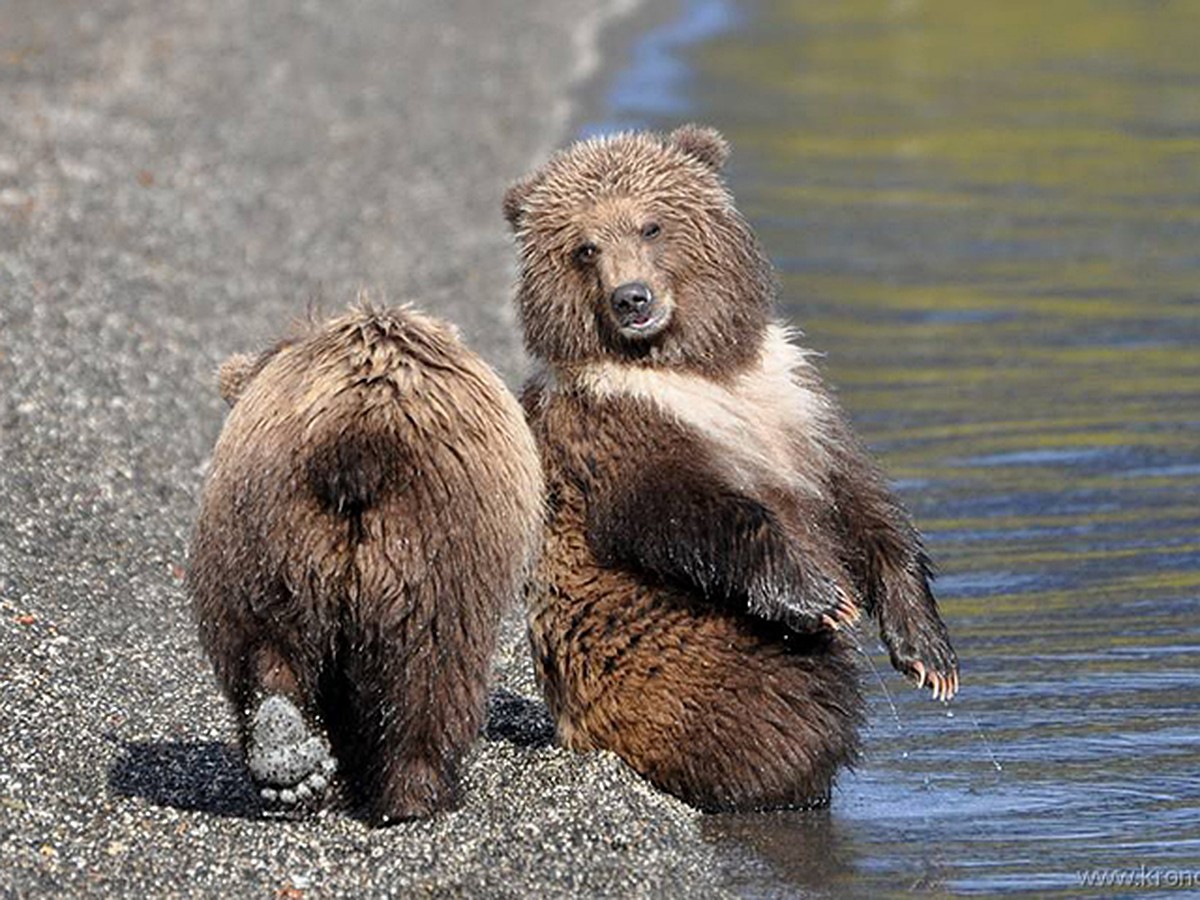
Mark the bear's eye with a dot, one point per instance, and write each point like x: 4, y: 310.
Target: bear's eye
x: 650, y: 231
x: 586, y: 253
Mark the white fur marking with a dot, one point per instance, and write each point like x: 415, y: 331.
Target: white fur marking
x: 765, y: 425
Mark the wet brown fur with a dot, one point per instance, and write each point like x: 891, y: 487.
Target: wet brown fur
x: 714, y: 525
x: 373, y: 505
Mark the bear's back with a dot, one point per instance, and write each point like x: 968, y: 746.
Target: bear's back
x: 377, y: 452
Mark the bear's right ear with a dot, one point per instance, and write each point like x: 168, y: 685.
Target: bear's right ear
x: 703, y: 143
x: 515, y: 196
x: 234, y: 374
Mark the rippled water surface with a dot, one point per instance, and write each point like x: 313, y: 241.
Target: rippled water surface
x: 987, y: 215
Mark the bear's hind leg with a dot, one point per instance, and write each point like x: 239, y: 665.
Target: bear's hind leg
x: 407, y: 732
x: 287, y: 754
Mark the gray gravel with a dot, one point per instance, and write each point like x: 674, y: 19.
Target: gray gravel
x: 178, y: 181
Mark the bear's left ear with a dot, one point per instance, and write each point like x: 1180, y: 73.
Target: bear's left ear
x: 705, y: 144
x: 515, y: 196
x: 234, y: 374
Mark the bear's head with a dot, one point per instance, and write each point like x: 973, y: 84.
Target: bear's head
x: 630, y: 247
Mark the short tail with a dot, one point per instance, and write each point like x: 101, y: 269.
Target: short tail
x: 352, y: 472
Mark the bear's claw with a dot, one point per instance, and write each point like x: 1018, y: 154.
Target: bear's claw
x: 845, y: 613
x: 290, y: 764
x: 943, y: 684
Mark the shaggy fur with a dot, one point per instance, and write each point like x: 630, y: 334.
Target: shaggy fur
x: 374, y: 503
x: 714, y: 525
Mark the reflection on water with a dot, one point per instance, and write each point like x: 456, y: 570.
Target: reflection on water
x: 988, y: 216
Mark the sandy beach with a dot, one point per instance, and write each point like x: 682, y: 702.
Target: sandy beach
x: 180, y: 181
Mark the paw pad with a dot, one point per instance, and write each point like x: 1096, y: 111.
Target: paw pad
x: 290, y: 763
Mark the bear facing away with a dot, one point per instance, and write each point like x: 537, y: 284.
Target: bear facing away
x: 374, y: 504
x: 714, y: 525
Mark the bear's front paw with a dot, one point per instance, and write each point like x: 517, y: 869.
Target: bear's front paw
x: 808, y: 600
x: 928, y: 659
x: 844, y: 611
x: 290, y: 764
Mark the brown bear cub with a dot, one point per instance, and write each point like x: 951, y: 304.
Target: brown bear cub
x: 714, y: 525
x: 374, y: 504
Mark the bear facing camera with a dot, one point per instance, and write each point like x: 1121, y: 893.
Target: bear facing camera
x: 714, y: 527
x: 373, y: 506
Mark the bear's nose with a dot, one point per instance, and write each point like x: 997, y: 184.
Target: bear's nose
x: 630, y: 299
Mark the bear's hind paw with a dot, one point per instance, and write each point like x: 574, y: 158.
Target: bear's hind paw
x: 290, y: 764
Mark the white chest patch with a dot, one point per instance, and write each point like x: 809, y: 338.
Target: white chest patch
x: 765, y: 426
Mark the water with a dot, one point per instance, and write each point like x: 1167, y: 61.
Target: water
x: 987, y: 215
